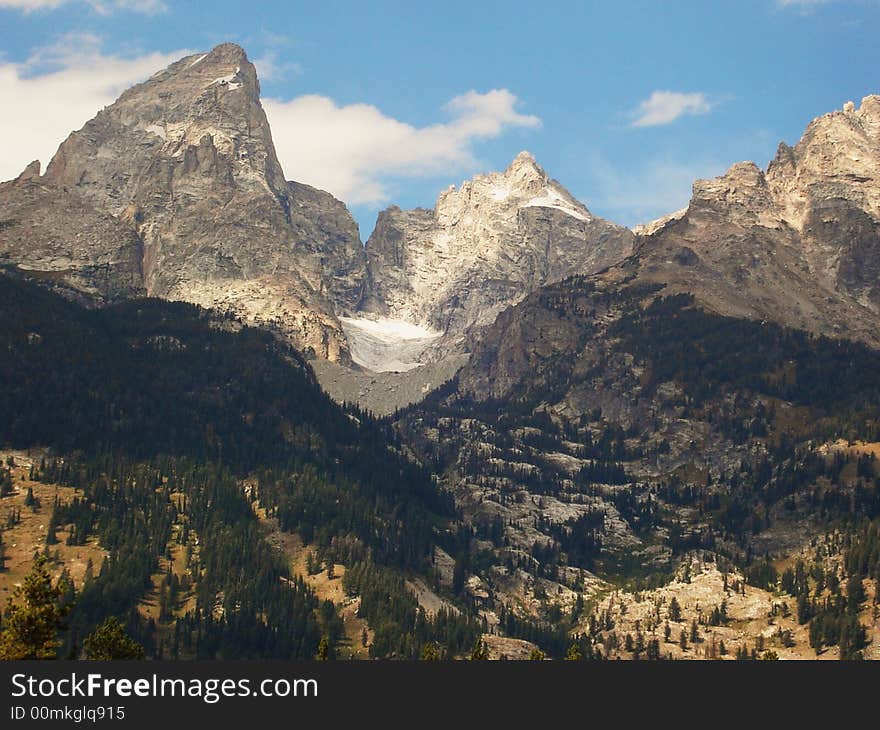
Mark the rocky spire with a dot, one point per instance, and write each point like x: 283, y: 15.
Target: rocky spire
x: 482, y: 248
x: 797, y: 244
x: 186, y: 159
x: 31, y: 172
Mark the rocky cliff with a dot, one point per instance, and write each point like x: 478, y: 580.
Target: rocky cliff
x: 59, y: 238
x: 482, y: 248
x: 694, y: 372
x: 175, y: 191
x: 798, y: 244
x: 186, y: 162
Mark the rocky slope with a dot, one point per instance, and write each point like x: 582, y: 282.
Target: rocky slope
x: 175, y: 191
x: 58, y: 237
x: 436, y: 278
x: 185, y: 161
x: 483, y: 248
x: 798, y: 244
x: 678, y: 408
x: 600, y: 436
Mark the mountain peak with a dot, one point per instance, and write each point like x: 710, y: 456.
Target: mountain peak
x: 224, y: 68
x: 525, y: 168
x: 231, y: 51
x: 523, y: 158
x: 210, y: 98
x: 187, y: 159
x: 31, y: 172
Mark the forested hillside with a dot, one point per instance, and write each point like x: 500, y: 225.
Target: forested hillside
x: 604, y: 437
x: 177, y: 425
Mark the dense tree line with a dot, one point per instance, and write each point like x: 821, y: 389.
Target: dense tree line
x: 707, y: 354
x: 162, y: 412
x: 401, y: 627
x: 247, y: 604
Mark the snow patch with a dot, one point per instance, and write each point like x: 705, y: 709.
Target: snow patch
x: 552, y: 199
x: 198, y: 60
x: 227, y: 79
x: 391, y: 329
x: 387, y: 345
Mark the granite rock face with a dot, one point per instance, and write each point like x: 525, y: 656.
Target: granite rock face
x: 186, y: 162
x: 331, y: 237
x: 57, y: 237
x: 483, y: 248
x: 175, y: 191
x: 798, y: 244
x: 828, y: 189
x: 579, y: 360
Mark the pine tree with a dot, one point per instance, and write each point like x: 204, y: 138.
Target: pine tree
x: 111, y: 642
x: 34, y: 617
x: 31, y: 500
x: 674, y: 610
x: 5, y: 483
x: 458, y: 574
x: 480, y: 652
x: 640, y: 643
x: 313, y: 566
x: 323, y: 649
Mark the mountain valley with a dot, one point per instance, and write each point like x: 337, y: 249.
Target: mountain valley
x: 501, y: 425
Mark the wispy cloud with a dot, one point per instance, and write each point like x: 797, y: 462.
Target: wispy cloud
x: 103, y: 7
x: 271, y: 68
x: 59, y: 88
x: 664, y: 107
x: 356, y: 151
x: 655, y: 187
x: 29, y: 6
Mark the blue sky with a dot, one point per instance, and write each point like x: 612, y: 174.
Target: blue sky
x: 624, y: 103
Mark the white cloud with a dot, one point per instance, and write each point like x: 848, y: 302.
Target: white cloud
x: 664, y: 107
x: 352, y: 151
x: 31, y: 5
x: 57, y: 90
x: 103, y: 7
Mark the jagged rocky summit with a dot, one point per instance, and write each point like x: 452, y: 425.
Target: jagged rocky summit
x: 175, y: 191
x: 797, y: 244
x: 482, y: 248
x: 435, y: 279
x: 179, y: 194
